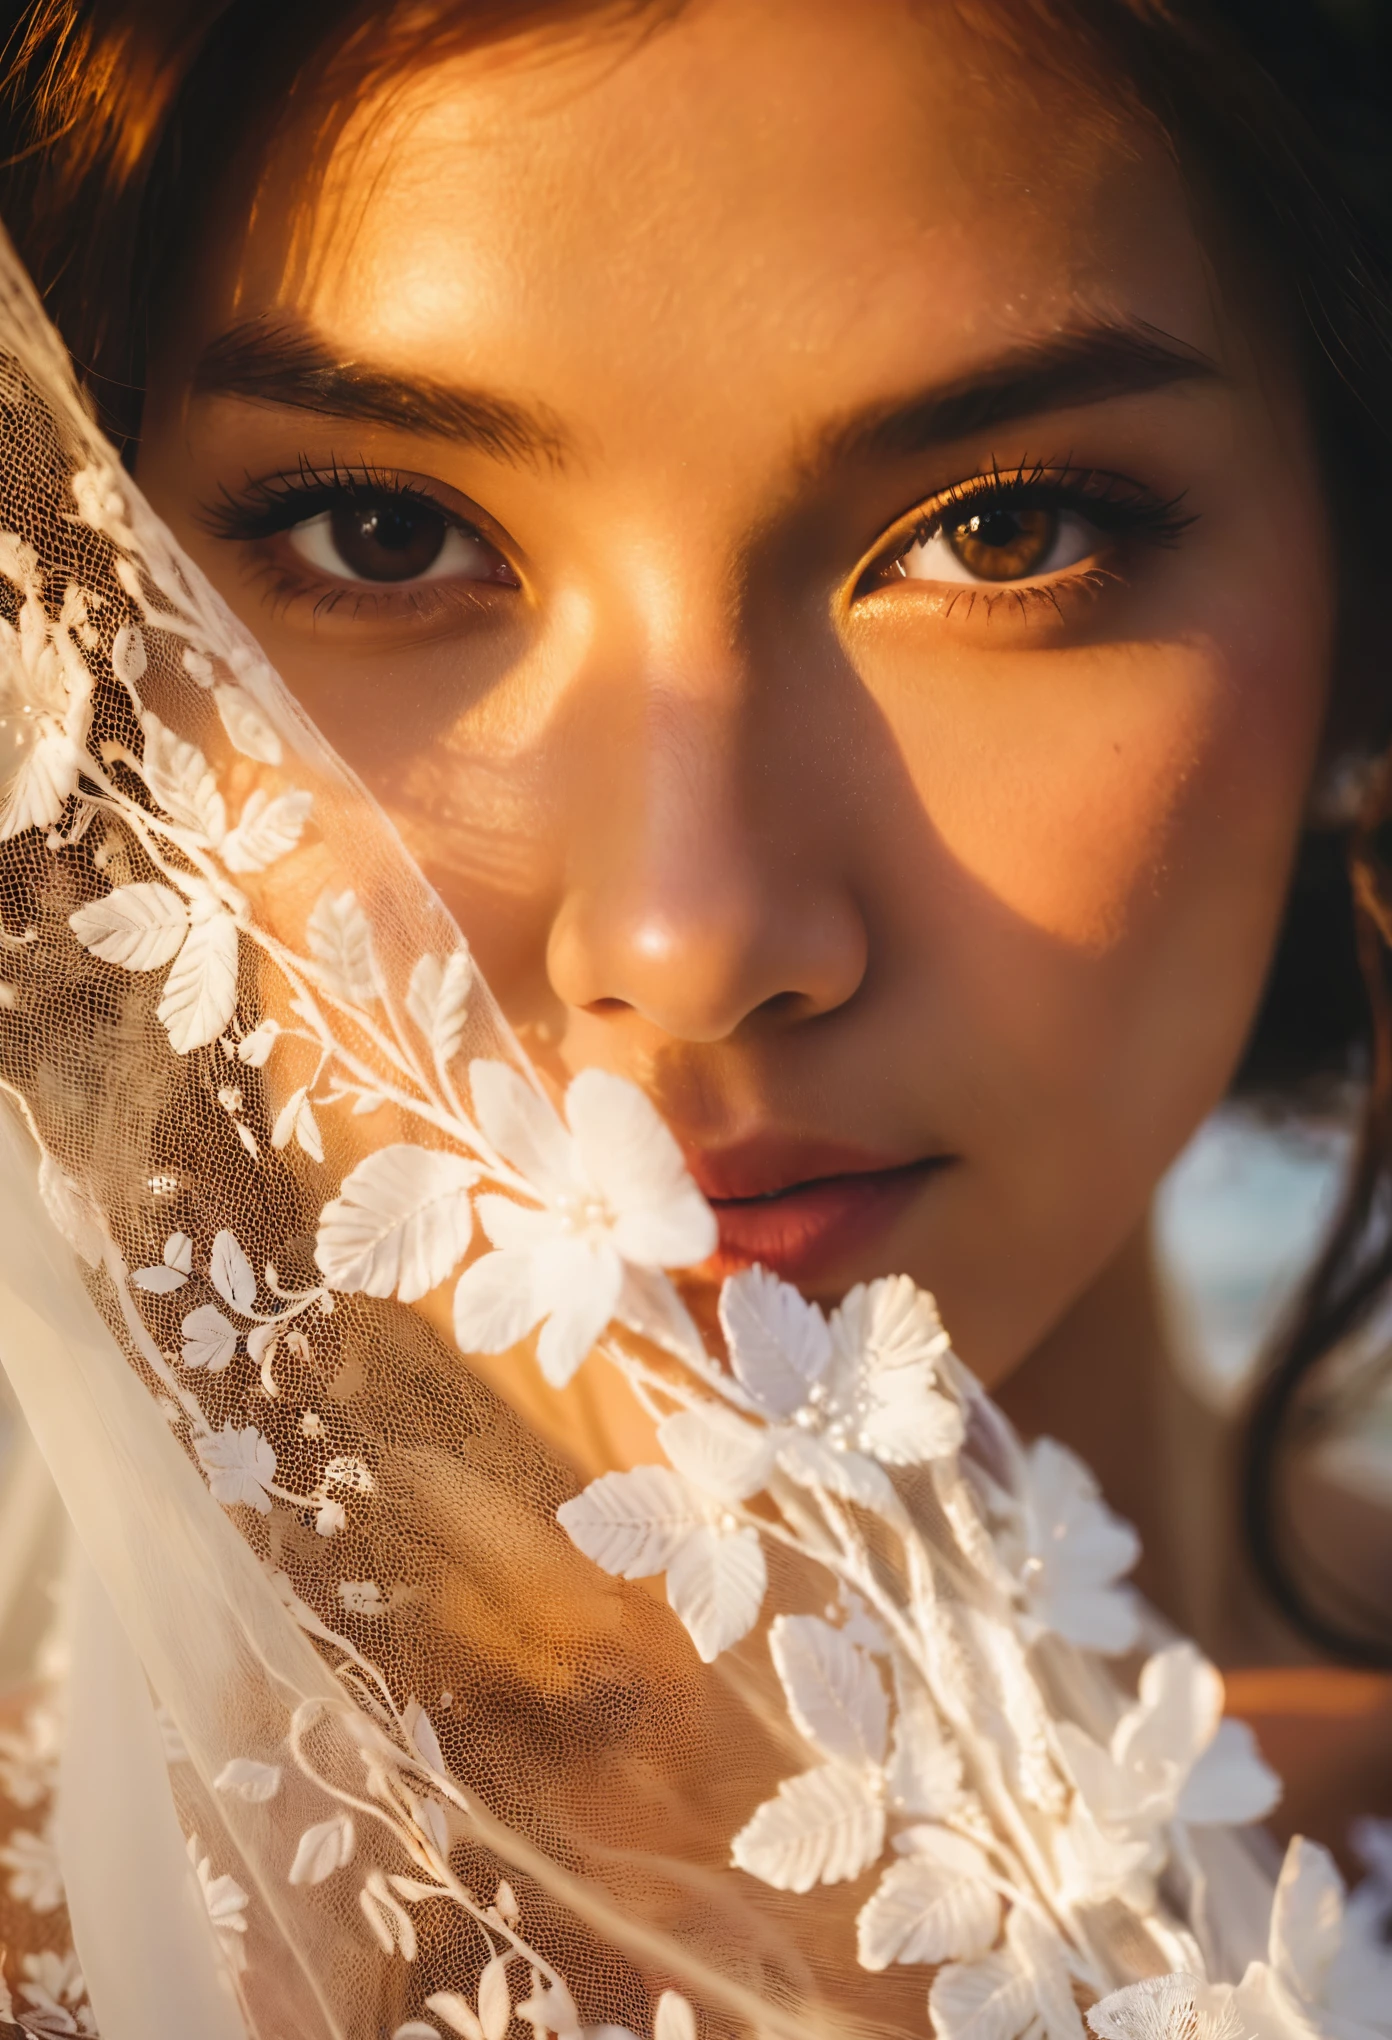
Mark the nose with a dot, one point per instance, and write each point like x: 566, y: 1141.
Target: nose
x: 707, y: 889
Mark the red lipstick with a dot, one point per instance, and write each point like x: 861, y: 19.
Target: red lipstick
x: 802, y: 1207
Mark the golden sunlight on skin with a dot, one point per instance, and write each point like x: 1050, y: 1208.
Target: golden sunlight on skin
x: 906, y: 868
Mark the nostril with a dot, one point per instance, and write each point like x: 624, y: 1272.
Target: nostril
x: 607, y: 1009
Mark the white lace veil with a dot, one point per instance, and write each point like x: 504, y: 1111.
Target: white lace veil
x: 435, y: 1753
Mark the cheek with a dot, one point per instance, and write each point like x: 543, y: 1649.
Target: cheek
x: 1112, y: 834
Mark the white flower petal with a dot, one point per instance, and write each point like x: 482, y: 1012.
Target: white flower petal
x: 1230, y: 1785
x: 824, y: 1827
x: 516, y: 1228
x: 577, y: 1285
x: 1177, y: 1714
x: 717, y: 1451
x: 523, y: 1127
x: 159, y: 1281
x: 629, y: 1157
x: 493, y: 1304
x: 401, y: 1223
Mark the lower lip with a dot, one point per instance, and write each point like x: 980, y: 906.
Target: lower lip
x: 813, y: 1228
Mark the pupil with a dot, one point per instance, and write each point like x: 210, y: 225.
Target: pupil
x: 1003, y: 542
x: 388, y: 541
x: 998, y: 527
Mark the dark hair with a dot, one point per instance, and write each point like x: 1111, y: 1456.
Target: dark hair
x: 114, y: 115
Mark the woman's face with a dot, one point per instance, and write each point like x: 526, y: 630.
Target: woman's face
x: 828, y: 581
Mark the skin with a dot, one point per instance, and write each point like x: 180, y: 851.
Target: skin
x: 813, y: 852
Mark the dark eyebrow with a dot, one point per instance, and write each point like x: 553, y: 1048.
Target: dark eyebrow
x: 1084, y: 366
x: 281, y: 361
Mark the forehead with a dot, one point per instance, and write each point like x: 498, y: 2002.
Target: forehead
x: 760, y: 195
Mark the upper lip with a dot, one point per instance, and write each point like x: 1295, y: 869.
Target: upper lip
x: 771, y: 1165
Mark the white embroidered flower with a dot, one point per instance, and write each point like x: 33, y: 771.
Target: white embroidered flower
x: 362, y: 1597
x: 1172, y: 1756
x: 36, y: 1877
x: 616, y: 1203
x: 1317, y: 1980
x: 55, y: 1995
x: 847, y: 1396
x: 652, y: 1520
x: 240, y: 1465
x: 1074, y: 1552
x: 226, y: 1903
x: 1021, y: 1988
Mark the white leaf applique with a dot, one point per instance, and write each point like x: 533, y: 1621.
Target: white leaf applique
x: 182, y: 781
x: 230, y: 1272
x: 247, y: 1778
x: 1020, y: 1989
x: 43, y: 674
x: 613, y: 1193
x: 139, y: 926
x: 246, y: 727
x: 437, y: 999
x: 828, y: 1816
x: 268, y: 828
x: 937, y: 1904
x: 339, y: 939
x: 209, y: 1339
x: 779, y: 1343
x: 240, y: 1465
x: 651, y: 1520
x: 401, y: 1223
x: 323, y: 1849
x: 296, y: 1121
x: 833, y: 1687
x: 1074, y: 1552
x: 143, y: 926
x: 924, y: 1773
x: 44, y: 781
x: 200, y: 993
x: 823, y: 1827
x: 716, y: 1584
x: 175, y: 1268
x: 226, y: 1903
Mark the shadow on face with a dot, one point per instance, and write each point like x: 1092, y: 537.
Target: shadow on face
x: 783, y: 516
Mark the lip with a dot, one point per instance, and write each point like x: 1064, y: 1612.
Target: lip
x: 803, y: 1208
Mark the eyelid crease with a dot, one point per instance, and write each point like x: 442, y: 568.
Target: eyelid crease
x: 272, y: 504
x: 1096, y: 492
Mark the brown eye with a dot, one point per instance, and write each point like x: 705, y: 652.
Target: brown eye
x: 388, y: 541
x: 394, y: 539
x: 1003, y: 544
x: 998, y: 543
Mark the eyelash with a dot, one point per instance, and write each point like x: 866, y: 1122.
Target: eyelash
x: 1118, y: 507
x: 273, y: 505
